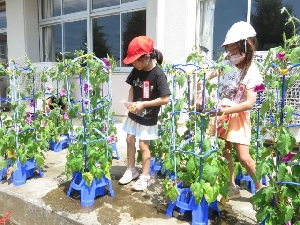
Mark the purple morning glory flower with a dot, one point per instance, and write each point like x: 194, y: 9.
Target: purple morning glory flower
x: 49, y: 88
x: 111, y: 139
x: 66, y: 116
x: 106, y: 62
x: 288, y: 157
x: 28, y: 119
x: 32, y: 103
x: 63, y: 92
x: 43, y: 123
x: 259, y: 87
x: 85, y: 88
x: 280, y: 55
x: 104, y: 128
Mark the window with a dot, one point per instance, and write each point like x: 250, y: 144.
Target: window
x: 3, y: 35
x: 3, y: 48
x: 52, y: 42
x: 2, y: 15
x: 75, y: 37
x: 105, y: 3
x: 51, y: 8
x: 70, y: 27
x: 106, y: 37
x: 71, y: 6
x: 133, y: 24
x: 224, y: 18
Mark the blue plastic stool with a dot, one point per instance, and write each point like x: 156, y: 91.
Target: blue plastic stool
x: 250, y: 183
x: 89, y: 193
x: 2, y: 172
x: 19, y: 175
x: 24, y: 172
x: 155, y: 166
x: 62, y: 144
x: 186, y: 202
x: 115, y: 149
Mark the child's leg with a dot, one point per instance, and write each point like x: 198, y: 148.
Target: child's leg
x: 130, y: 173
x: 144, y: 180
x: 131, y: 150
x: 144, y: 147
x: 245, y: 159
x: 227, y: 153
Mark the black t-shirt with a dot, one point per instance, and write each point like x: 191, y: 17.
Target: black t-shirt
x: 147, y: 86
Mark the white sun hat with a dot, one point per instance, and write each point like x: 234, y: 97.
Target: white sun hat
x: 239, y: 31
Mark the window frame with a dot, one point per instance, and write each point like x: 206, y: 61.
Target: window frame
x: 89, y: 15
x: 3, y: 31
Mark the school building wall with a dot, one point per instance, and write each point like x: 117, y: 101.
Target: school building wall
x: 170, y: 23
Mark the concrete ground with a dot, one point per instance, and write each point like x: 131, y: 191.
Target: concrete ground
x: 44, y: 200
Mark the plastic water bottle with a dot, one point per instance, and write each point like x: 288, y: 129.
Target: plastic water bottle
x: 142, y: 113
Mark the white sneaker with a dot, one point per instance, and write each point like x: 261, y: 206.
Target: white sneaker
x: 142, y: 183
x: 128, y: 176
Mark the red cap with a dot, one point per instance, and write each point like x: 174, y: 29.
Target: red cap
x: 141, y: 45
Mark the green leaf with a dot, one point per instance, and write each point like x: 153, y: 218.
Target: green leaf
x: 206, y: 145
x: 264, y: 108
x: 191, y: 164
x: 286, y: 213
x: 38, y: 160
x: 286, y: 141
x: 3, y: 164
x: 198, y: 190
x: 210, y: 173
x: 88, y: 177
x: 168, y: 162
x: 181, y: 79
x: 296, y: 169
x: 289, y: 113
x: 282, y: 171
x: 295, y: 55
x: 291, y: 80
x: 209, y: 193
x: 179, y: 105
x: 172, y: 193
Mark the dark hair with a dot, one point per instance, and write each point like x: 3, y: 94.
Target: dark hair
x: 156, y: 54
x: 59, y: 101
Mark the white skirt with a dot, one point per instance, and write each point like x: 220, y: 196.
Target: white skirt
x: 141, y: 132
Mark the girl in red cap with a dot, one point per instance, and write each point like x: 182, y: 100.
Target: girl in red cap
x: 237, y: 97
x: 149, y: 90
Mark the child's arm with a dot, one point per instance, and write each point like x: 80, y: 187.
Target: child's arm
x: 130, y: 94
x: 156, y: 102
x: 48, y: 104
x: 243, y: 106
x: 213, y: 73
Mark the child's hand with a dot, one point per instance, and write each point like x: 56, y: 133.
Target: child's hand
x: 136, y: 107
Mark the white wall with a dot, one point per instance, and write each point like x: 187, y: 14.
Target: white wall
x: 22, y: 30
x: 171, y: 23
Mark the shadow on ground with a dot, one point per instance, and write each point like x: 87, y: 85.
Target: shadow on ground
x: 147, y: 204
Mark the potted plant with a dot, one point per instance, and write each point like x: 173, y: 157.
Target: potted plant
x: 278, y: 203
x: 195, y: 167
x: 24, y: 138
x: 89, y: 157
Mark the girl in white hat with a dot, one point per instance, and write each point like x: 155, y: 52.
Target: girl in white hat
x: 237, y: 97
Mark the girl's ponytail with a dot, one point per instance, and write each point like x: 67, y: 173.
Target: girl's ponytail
x: 156, y: 54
